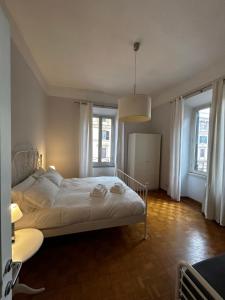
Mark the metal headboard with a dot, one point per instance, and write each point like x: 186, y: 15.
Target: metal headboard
x: 25, y: 160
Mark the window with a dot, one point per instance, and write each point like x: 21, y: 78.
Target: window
x: 203, y: 139
x: 203, y: 124
x: 103, y: 141
x: 105, y: 135
x: 200, y: 138
x: 202, y: 153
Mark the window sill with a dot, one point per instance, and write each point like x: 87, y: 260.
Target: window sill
x: 198, y: 174
x: 104, y: 166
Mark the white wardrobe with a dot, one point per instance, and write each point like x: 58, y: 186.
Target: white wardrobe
x: 144, y: 158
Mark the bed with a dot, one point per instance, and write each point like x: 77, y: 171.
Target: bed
x: 72, y: 209
x: 203, y: 280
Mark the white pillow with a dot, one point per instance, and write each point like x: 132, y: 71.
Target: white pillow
x: 41, y: 194
x: 18, y: 190
x: 54, y: 176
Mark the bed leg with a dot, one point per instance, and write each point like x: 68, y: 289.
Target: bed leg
x: 146, y: 212
x: 145, y: 231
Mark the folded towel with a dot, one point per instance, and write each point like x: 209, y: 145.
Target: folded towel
x: 99, y: 191
x: 99, y: 194
x: 101, y: 186
x: 117, y: 188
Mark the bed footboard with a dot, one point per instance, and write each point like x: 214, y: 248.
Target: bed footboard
x: 141, y: 189
x: 191, y: 285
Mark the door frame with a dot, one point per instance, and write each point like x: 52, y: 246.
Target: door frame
x: 5, y: 155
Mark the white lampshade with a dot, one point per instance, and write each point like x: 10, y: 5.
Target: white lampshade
x: 136, y: 108
x: 16, y: 213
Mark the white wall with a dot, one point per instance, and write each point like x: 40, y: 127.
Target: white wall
x: 195, y: 185
x: 63, y: 135
x: 191, y: 185
x: 194, y: 82
x: 28, y: 105
x: 160, y: 123
x: 106, y: 171
x: 49, y: 123
x: 201, y: 79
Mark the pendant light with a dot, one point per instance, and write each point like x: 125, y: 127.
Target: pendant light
x: 136, y: 107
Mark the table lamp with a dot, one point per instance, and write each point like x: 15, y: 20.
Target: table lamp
x: 52, y: 167
x: 16, y: 215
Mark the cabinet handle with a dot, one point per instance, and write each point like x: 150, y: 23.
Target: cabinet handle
x: 8, y: 288
x: 8, y: 266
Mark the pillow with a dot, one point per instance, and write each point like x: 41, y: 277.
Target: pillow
x: 41, y: 194
x: 53, y: 176
x: 18, y: 190
x: 39, y: 172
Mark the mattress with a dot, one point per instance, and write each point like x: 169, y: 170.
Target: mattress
x: 73, y: 205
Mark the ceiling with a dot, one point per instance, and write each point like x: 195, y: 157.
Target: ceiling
x: 86, y: 44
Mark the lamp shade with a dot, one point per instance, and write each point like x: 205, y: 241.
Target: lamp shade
x: 136, y: 108
x: 16, y: 213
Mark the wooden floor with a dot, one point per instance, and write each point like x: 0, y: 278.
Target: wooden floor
x: 116, y: 264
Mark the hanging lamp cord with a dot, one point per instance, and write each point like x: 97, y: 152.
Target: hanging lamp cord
x: 135, y: 70
x: 136, y: 48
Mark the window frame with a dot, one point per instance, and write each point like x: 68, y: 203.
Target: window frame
x: 100, y: 164
x: 194, y: 144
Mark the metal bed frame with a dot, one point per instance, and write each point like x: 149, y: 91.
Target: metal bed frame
x: 184, y: 291
x: 25, y: 161
x: 141, y: 189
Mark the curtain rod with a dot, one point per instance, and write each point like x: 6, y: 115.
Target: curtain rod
x: 193, y: 92
x: 85, y: 102
x: 199, y: 90
x: 196, y: 92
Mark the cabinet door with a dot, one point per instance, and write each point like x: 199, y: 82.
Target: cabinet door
x: 147, y: 159
x: 142, y: 148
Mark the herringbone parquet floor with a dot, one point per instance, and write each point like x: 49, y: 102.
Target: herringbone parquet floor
x: 116, y: 264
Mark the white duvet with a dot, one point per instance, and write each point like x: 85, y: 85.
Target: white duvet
x: 73, y: 205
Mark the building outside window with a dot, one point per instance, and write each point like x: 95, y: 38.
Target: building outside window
x: 105, y: 134
x: 103, y: 140
x: 200, y: 145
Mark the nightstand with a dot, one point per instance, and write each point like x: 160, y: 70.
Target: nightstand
x: 27, y: 242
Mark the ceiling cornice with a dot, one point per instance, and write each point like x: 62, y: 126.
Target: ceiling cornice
x: 56, y: 91
x: 23, y: 48
x: 79, y: 94
x: 198, y: 81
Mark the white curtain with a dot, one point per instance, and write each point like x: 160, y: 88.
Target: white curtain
x: 85, y: 168
x: 214, y: 206
x: 174, y: 188
x: 119, y: 145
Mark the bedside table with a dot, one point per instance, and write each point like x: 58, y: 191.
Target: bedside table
x: 27, y: 242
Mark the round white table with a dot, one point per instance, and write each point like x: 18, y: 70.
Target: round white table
x: 27, y: 242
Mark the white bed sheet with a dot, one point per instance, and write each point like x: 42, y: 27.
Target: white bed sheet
x: 74, y: 205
